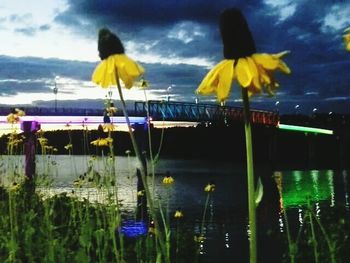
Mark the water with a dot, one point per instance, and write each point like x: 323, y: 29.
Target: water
x: 225, y: 229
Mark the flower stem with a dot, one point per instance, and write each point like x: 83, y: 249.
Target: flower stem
x: 250, y: 177
x: 143, y: 174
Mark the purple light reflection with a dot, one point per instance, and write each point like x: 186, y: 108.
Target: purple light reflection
x: 75, y: 119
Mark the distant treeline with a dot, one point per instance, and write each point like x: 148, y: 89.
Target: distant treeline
x: 278, y: 148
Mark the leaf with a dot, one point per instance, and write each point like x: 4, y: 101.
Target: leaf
x: 259, y: 192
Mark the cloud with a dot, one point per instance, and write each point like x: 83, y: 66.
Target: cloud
x: 178, y: 41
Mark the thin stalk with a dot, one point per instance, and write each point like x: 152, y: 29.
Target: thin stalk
x: 143, y: 175
x: 291, y: 244
x: 204, y: 214
x: 150, y: 145
x: 329, y: 243
x: 250, y: 177
x: 314, y: 241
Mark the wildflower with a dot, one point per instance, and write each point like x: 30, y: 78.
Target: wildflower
x: 141, y: 193
x: 14, y: 186
x: 48, y: 147
x: 12, y: 118
x: 346, y: 37
x: 253, y: 71
x: 210, y: 187
x: 199, y: 238
x: 127, y: 152
x: 168, y: 180
x: 107, y: 127
x: 114, y: 62
x: 43, y: 141
x: 178, y: 214
x: 102, y: 142
x: 151, y: 228
x: 20, y: 112
x: 69, y: 146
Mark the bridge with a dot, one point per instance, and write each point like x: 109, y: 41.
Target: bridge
x: 175, y: 113
x: 200, y: 112
x: 157, y: 110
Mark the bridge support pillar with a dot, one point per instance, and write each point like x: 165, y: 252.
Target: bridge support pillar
x: 30, y: 128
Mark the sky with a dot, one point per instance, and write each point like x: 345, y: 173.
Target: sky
x: 53, y: 43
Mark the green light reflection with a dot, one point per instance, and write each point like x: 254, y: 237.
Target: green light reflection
x: 299, y: 187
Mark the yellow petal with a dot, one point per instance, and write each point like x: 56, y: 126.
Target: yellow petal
x: 283, y: 67
x: 264, y: 76
x: 255, y: 73
x: 128, y: 69
x: 226, y: 75
x: 281, y: 54
x: 244, y: 76
x: 347, y: 40
x: 210, y: 82
x: 266, y: 60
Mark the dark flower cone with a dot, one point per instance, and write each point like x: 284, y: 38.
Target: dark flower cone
x: 236, y: 36
x: 109, y: 44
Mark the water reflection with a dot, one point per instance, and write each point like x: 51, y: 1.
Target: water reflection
x: 300, y: 188
x: 225, y: 229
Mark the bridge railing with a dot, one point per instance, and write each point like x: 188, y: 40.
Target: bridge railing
x: 186, y: 111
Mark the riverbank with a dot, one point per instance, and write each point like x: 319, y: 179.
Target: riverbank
x: 280, y: 149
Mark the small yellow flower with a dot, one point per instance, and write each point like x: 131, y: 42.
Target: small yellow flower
x: 12, y: 118
x: 178, y: 214
x: 68, y: 146
x: 100, y: 142
x: 43, y: 141
x: 14, y: 186
x: 209, y: 188
x: 199, y: 238
x: 107, y: 127
x: 141, y: 193
x: 168, y: 180
x: 20, y: 112
x: 346, y: 37
x: 48, y: 147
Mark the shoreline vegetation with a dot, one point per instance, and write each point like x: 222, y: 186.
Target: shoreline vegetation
x: 278, y: 148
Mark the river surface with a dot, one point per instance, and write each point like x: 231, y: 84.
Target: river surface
x: 225, y: 228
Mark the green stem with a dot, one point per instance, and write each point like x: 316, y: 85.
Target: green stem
x: 204, y: 214
x: 250, y: 175
x: 143, y: 173
x: 150, y: 146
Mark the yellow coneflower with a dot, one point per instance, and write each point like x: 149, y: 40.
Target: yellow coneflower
x: 199, y: 238
x: 178, y: 214
x: 43, y: 141
x: 114, y: 62
x: 210, y: 187
x: 12, y: 118
x: 100, y: 142
x: 168, y: 180
x: 107, y: 127
x: 141, y: 193
x: 69, y: 146
x: 253, y: 71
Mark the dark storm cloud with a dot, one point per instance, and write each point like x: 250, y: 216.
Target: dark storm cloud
x: 189, y: 29
x: 37, y: 75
